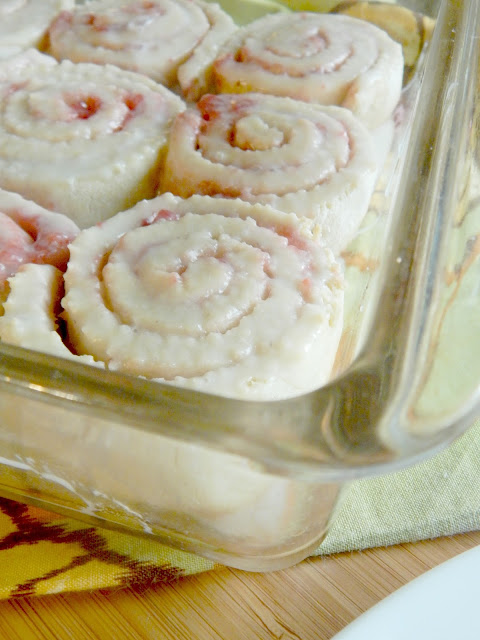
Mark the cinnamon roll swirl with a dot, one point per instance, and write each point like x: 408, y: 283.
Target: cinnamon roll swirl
x: 29, y: 234
x: 24, y: 23
x: 172, y: 41
x: 82, y: 139
x: 326, y: 59
x: 315, y: 161
x: 212, y: 294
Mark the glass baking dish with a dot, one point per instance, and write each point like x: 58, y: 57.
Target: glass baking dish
x: 254, y: 484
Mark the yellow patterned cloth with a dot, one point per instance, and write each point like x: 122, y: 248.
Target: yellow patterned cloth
x: 42, y: 553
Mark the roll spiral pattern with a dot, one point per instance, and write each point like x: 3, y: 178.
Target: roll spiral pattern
x: 82, y: 139
x: 320, y: 58
x: 172, y: 41
x: 213, y: 294
x: 24, y: 23
x: 30, y: 234
x: 311, y: 160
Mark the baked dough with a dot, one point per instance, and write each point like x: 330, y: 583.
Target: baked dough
x: 321, y: 58
x: 315, y: 161
x: 30, y: 234
x: 24, y: 23
x: 172, y: 41
x: 217, y: 295
x: 81, y: 139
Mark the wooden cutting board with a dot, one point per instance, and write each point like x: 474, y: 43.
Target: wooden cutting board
x: 311, y: 601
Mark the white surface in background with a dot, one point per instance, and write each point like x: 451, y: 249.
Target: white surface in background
x: 441, y: 604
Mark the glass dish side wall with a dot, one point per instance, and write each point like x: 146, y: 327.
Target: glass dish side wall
x: 187, y: 495
x: 397, y: 400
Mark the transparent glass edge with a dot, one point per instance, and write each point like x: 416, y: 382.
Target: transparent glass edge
x: 453, y: 148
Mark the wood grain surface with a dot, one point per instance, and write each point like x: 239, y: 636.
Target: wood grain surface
x: 311, y: 601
